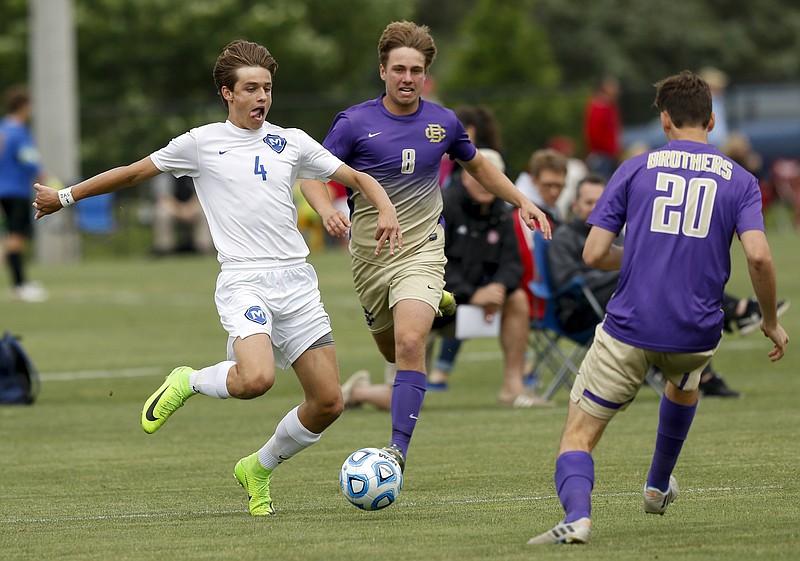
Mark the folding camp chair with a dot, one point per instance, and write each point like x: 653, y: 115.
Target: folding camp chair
x: 548, y: 334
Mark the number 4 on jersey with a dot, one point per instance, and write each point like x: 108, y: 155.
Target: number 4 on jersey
x: 260, y: 170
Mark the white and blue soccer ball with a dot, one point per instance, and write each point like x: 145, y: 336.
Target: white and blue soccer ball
x: 371, y: 479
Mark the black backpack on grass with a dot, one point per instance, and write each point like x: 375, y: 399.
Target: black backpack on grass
x: 19, y: 380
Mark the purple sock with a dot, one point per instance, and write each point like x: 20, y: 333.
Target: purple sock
x: 407, y: 395
x: 674, y: 421
x: 574, y: 482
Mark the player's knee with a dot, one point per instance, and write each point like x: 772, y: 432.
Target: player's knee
x: 256, y: 383
x: 329, y: 406
x: 409, y: 346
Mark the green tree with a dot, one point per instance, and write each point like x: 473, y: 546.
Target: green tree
x: 145, y: 66
x: 641, y: 42
x: 504, y: 60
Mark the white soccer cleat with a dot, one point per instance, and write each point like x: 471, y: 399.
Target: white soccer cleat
x: 565, y: 532
x: 657, y: 501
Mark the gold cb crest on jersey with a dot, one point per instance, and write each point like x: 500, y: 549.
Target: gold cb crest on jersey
x: 435, y: 133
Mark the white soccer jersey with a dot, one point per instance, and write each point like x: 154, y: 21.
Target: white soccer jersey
x: 244, y: 182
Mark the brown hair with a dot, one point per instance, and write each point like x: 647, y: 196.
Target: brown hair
x: 686, y: 98
x: 547, y: 158
x: 240, y: 54
x: 16, y: 97
x: 487, y: 133
x: 407, y: 34
x: 593, y: 179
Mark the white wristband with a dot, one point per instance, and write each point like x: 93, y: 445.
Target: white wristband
x: 65, y: 196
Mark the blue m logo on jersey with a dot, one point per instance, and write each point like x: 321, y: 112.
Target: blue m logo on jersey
x: 256, y: 314
x: 277, y: 143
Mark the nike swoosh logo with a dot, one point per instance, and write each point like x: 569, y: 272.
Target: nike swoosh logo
x: 412, y: 416
x: 221, y: 152
x: 150, y: 410
x: 372, y: 134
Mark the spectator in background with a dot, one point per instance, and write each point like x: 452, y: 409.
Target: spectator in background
x: 484, y: 269
x: 482, y: 129
x: 738, y: 148
x: 717, y: 81
x: 543, y: 183
x: 177, y: 210
x: 602, y: 128
x: 20, y: 167
x: 566, y: 261
x: 576, y: 170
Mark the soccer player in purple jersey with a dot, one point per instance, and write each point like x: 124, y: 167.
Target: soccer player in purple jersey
x: 400, y: 139
x: 682, y: 204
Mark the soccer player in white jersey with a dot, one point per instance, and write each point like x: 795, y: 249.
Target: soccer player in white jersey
x: 681, y: 204
x: 267, y: 295
x: 400, y: 139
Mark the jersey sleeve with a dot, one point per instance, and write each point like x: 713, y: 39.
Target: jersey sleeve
x: 462, y: 147
x: 317, y: 162
x: 610, y: 213
x: 180, y: 157
x: 339, y: 140
x: 750, y: 216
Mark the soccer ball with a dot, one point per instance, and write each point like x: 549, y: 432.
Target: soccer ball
x: 371, y: 479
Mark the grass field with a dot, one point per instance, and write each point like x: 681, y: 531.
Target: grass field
x: 81, y: 480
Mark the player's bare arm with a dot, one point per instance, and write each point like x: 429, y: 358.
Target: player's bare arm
x: 600, y: 251
x: 762, y: 275
x: 497, y: 183
x: 47, y: 200
x: 318, y: 196
x: 388, y: 228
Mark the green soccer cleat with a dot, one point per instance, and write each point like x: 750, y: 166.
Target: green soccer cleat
x: 447, y: 305
x: 255, y: 479
x: 167, y: 399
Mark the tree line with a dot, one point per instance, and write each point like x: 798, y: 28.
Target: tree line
x: 145, y: 65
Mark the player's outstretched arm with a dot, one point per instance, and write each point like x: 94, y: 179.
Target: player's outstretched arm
x: 318, y: 196
x: 762, y: 275
x: 48, y: 200
x: 388, y: 229
x: 497, y: 183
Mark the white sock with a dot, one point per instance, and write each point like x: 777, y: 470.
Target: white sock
x: 290, y: 438
x: 389, y: 372
x: 212, y: 380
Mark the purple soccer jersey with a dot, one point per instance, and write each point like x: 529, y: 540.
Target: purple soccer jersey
x: 403, y: 153
x: 682, y: 205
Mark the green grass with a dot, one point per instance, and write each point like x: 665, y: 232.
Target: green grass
x: 81, y: 480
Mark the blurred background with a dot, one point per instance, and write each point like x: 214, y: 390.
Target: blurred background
x: 142, y: 72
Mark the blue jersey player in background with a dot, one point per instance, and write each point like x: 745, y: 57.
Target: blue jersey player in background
x: 400, y: 139
x: 682, y: 205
